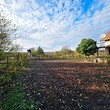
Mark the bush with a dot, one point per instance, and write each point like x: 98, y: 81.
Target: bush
x: 23, y: 60
x: 2, y: 55
x: 107, y: 57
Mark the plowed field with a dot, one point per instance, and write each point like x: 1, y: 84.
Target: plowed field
x: 68, y: 85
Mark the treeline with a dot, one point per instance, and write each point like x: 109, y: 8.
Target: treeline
x: 64, y: 53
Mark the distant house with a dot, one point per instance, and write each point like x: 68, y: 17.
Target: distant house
x: 106, y: 42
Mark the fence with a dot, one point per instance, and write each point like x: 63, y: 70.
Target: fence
x: 8, y: 58
x: 13, y: 61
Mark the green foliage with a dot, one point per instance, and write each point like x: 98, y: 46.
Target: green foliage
x: 107, y: 57
x: 6, y: 29
x: 14, y: 94
x: 12, y: 66
x: 23, y: 60
x: 78, y: 55
x: 15, y: 62
x: 64, y: 53
x: 4, y: 41
x: 65, y: 50
x: 87, y: 47
x: 16, y: 99
x: 39, y: 51
x: 2, y: 55
x: 5, y: 77
x: 15, y: 48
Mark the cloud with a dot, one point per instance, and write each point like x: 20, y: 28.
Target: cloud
x: 56, y: 23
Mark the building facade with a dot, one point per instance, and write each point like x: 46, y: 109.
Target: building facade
x: 106, y: 43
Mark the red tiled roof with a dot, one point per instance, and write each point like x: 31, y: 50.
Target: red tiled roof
x: 107, y: 36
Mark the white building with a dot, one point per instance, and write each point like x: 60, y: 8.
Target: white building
x: 106, y: 45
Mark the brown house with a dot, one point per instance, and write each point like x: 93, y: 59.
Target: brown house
x: 106, y: 43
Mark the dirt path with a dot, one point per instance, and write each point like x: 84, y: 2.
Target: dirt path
x: 68, y: 85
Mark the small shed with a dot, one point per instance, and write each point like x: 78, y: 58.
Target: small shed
x: 29, y: 53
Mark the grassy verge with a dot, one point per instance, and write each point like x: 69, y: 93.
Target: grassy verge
x: 13, y: 94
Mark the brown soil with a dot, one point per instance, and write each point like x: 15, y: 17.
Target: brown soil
x: 68, y: 85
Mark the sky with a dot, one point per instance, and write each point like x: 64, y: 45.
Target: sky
x: 53, y: 24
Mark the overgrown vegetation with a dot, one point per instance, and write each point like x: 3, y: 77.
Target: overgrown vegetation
x: 16, y: 99
x: 13, y: 96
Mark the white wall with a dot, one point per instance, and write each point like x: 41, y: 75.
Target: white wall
x: 107, y: 43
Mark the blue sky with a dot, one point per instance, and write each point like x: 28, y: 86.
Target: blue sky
x: 53, y: 24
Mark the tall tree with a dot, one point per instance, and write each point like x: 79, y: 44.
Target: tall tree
x: 87, y: 47
x: 6, y: 30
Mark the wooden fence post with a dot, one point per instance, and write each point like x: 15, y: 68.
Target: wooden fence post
x: 7, y: 61
x: 17, y: 59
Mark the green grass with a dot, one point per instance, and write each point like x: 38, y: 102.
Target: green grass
x: 14, y: 92
x: 16, y: 99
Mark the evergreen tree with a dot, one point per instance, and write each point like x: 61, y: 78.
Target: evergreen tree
x: 39, y: 51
